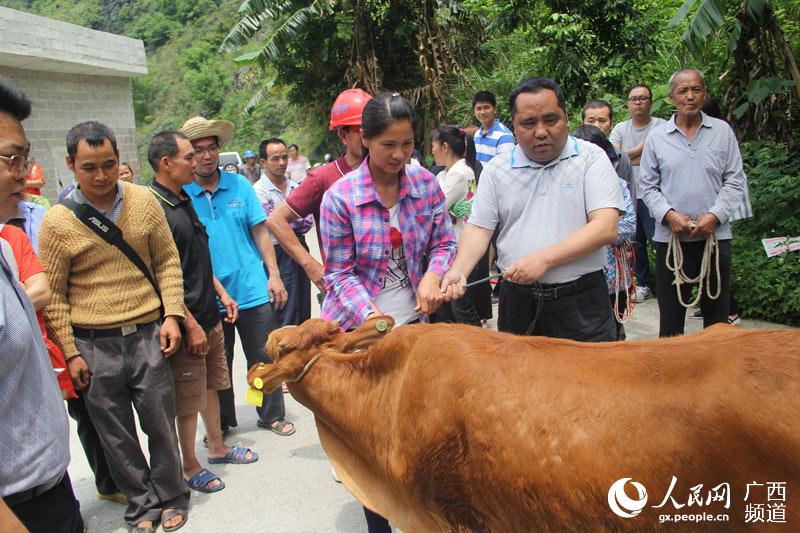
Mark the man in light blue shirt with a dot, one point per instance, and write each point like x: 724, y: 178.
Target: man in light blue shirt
x: 239, y: 242
x: 692, y: 180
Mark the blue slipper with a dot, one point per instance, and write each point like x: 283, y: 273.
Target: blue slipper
x: 200, y: 481
x: 236, y: 456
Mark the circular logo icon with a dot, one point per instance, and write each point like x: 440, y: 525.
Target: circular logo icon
x: 621, y: 504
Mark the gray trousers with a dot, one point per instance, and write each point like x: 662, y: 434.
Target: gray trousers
x: 132, y: 371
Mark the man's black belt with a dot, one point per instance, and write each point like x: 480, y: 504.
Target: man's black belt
x: 124, y: 331
x: 559, y: 290
x: 35, y: 492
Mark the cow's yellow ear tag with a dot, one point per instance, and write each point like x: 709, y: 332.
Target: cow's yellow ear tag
x: 381, y: 325
x: 254, y: 396
x: 258, y: 383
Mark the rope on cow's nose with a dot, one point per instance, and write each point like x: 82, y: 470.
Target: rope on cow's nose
x: 308, y: 366
x: 675, y: 255
x: 482, y: 280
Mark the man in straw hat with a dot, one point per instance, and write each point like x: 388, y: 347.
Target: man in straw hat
x: 239, y: 242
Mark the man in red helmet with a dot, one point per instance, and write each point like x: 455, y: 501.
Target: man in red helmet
x: 305, y: 199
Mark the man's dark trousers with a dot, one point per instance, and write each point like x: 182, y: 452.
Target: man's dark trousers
x: 91, y: 445
x: 55, y: 511
x: 585, y: 315
x: 298, y: 307
x: 253, y: 325
x: 645, y: 229
x: 672, y: 313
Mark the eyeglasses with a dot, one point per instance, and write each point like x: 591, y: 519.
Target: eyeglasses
x: 18, y: 162
x: 207, y: 149
x: 641, y: 99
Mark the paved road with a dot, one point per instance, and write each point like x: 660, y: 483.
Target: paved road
x: 290, y: 488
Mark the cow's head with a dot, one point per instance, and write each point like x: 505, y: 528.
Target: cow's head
x: 293, y: 347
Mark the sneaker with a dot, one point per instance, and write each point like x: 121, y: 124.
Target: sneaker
x: 733, y: 319
x: 334, y: 475
x: 697, y: 314
x: 642, y: 294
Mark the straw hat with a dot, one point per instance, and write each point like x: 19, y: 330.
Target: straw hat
x: 198, y: 127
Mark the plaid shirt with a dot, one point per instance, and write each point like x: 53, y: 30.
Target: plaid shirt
x: 355, y: 232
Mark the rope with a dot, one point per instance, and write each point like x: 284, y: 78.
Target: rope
x: 539, y: 305
x: 624, y: 259
x: 308, y: 366
x: 487, y: 278
x: 675, y: 254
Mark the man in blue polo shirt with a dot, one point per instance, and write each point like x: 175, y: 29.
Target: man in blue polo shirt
x: 239, y: 241
x: 493, y: 137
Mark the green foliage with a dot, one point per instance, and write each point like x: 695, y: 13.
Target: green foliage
x: 765, y: 287
x: 593, y: 49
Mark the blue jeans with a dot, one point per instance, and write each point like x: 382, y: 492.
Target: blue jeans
x: 253, y: 325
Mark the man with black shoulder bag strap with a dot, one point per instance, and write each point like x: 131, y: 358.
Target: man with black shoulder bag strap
x: 117, y: 303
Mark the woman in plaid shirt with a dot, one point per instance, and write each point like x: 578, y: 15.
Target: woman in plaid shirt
x: 385, y: 228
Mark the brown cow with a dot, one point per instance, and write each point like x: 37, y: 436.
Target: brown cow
x: 450, y: 427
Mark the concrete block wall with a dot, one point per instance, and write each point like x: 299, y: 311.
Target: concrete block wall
x: 39, y: 43
x: 62, y: 100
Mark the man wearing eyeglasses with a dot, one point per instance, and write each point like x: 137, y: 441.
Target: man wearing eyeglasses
x: 240, y: 248
x: 35, y: 489
x: 629, y: 136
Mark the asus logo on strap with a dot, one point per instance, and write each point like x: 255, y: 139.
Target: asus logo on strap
x: 96, y: 222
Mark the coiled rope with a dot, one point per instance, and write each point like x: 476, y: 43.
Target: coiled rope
x: 703, y: 278
x: 624, y: 259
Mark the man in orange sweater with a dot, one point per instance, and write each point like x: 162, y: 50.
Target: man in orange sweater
x: 106, y: 316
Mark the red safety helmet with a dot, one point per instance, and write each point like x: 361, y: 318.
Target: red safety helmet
x: 347, y: 108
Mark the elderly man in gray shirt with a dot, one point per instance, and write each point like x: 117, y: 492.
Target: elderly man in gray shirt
x: 692, y: 181
x: 555, y: 201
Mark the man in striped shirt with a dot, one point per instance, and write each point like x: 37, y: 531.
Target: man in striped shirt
x: 493, y: 137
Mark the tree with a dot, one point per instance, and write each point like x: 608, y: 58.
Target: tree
x: 320, y: 47
x: 758, y: 61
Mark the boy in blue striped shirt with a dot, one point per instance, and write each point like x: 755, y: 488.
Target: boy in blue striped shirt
x: 493, y: 137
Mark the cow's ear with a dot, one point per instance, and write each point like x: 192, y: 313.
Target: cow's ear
x: 310, y: 333
x: 367, y: 333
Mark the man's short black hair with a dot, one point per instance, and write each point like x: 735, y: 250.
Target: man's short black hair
x: 534, y: 85
x: 94, y: 133
x: 643, y: 86
x: 262, y: 148
x: 163, y: 144
x: 484, y: 96
x: 597, y: 104
x: 293, y: 146
x: 13, y: 101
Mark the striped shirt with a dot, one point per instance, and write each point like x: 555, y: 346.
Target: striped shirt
x: 356, y: 233
x: 693, y: 177
x: 497, y: 140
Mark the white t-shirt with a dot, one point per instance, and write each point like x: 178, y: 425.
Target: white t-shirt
x: 297, y: 169
x: 396, y: 297
x: 458, y: 184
